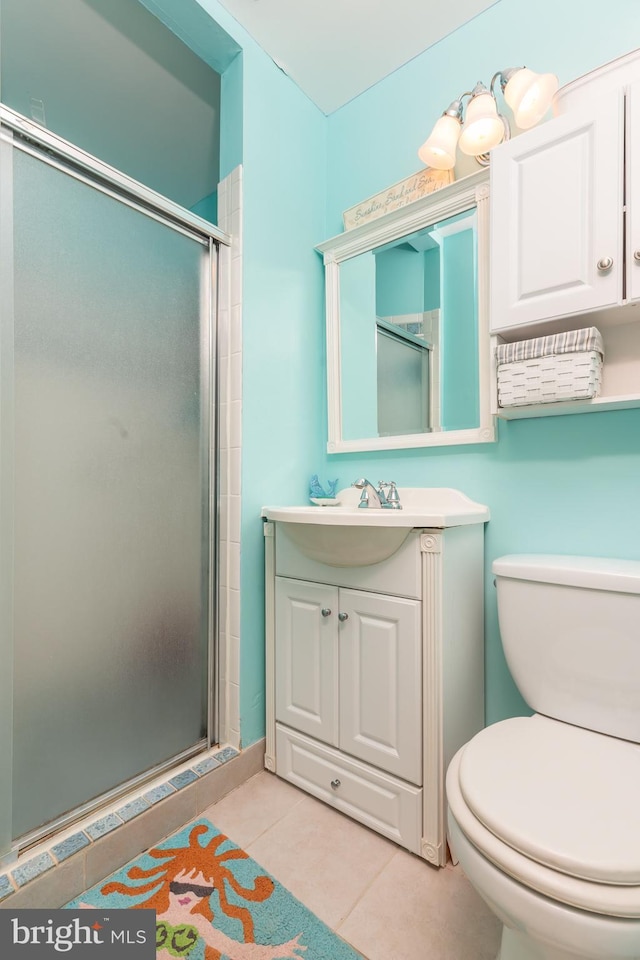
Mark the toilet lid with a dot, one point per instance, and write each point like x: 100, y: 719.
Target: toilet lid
x: 565, y: 797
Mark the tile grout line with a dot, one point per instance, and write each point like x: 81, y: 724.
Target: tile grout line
x: 336, y: 928
x: 271, y: 825
x: 301, y: 799
x: 394, y: 853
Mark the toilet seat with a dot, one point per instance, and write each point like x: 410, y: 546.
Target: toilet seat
x: 596, y: 896
x: 561, y: 795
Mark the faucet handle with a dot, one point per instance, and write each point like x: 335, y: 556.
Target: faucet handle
x: 364, y: 497
x: 392, y: 497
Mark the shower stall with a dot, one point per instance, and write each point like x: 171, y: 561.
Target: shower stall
x: 107, y: 483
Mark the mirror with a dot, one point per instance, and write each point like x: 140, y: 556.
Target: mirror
x: 407, y: 329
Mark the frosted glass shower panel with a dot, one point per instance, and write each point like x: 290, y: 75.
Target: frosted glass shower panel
x: 111, y: 492
x: 403, y: 384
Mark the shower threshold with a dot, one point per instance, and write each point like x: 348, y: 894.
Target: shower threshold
x: 54, y: 827
x: 61, y: 867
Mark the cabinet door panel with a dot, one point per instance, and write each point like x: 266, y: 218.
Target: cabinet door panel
x: 306, y: 657
x: 381, y: 682
x: 633, y: 192
x: 556, y: 211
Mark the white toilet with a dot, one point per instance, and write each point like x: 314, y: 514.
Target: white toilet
x: 544, y: 811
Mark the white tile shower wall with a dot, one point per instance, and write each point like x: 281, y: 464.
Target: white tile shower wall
x: 230, y: 356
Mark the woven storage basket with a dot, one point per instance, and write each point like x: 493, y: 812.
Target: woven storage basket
x: 548, y: 369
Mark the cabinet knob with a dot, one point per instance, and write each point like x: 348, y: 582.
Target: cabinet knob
x: 636, y: 256
x: 342, y: 617
x: 326, y: 612
x: 605, y: 264
x: 335, y: 784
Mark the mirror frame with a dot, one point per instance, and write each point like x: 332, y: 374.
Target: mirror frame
x: 456, y: 197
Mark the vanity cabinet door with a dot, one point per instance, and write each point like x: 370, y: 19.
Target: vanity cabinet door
x: 381, y: 682
x: 306, y: 647
x: 556, y: 217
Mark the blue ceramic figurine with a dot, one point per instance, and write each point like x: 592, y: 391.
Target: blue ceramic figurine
x: 316, y: 490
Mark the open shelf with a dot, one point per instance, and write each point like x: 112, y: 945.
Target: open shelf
x: 597, y: 405
x: 620, y: 372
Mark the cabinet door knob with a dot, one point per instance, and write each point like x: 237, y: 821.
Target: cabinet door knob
x: 335, y: 784
x: 605, y: 264
x: 636, y: 256
x: 326, y: 612
x: 342, y: 617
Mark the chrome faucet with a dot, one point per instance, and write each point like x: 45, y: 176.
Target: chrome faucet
x: 369, y: 496
x: 378, y: 499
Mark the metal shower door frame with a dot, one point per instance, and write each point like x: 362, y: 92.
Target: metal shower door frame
x: 18, y: 132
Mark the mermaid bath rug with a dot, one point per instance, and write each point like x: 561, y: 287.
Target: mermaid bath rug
x: 213, y: 902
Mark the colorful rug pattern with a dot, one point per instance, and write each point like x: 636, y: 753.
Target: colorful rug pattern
x: 213, y: 902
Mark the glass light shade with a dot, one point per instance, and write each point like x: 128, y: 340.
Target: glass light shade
x: 483, y: 128
x: 439, y: 150
x: 529, y: 95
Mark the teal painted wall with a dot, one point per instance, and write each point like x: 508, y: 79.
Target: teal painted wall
x: 458, y: 332
x: 207, y: 208
x: 553, y: 484
x: 231, y: 113
x: 374, y: 139
x: 556, y: 484
x: 218, y: 40
x: 280, y: 138
x: 284, y: 159
x: 432, y: 279
x: 399, y: 282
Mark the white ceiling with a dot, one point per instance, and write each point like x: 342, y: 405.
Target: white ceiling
x: 336, y: 49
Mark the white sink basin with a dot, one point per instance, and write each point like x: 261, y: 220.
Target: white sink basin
x: 345, y: 535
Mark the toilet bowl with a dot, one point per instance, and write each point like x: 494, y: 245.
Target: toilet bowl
x: 544, y: 811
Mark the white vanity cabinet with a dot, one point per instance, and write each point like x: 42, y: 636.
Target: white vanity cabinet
x: 565, y: 231
x: 348, y: 668
x: 375, y: 676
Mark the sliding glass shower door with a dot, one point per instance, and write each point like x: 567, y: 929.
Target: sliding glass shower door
x: 107, y: 465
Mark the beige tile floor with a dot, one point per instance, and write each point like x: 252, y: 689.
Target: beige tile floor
x: 387, y: 903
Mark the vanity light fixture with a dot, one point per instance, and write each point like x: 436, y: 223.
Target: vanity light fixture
x: 528, y: 95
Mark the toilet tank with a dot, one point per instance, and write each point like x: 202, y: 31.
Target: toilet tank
x: 570, y: 629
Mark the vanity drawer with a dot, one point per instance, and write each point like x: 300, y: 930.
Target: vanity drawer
x: 385, y: 804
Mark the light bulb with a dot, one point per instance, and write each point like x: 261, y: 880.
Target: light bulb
x: 439, y: 150
x: 529, y: 95
x: 483, y: 128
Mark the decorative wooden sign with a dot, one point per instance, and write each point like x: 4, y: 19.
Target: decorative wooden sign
x: 399, y: 195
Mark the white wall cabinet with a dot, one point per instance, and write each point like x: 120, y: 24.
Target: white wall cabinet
x: 565, y: 231
x: 633, y: 187
x: 375, y: 677
x: 557, y: 218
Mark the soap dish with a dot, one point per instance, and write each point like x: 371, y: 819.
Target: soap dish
x: 325, y: 501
